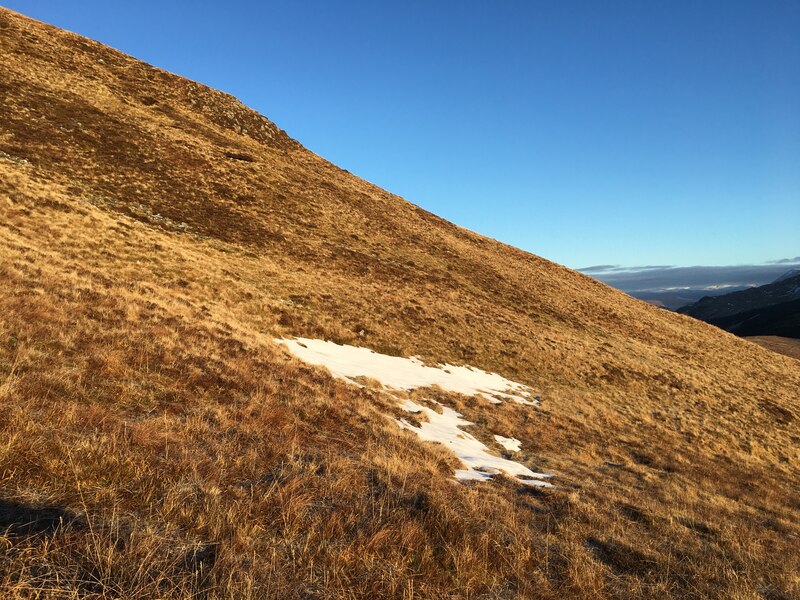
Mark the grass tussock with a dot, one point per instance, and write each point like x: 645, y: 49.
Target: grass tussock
x: 155, y: 236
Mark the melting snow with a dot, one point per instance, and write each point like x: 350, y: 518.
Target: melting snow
x: 348, y: 362
x: 480, y: 465
x: 510, y: 444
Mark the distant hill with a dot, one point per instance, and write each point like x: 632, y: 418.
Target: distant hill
x: 772, y: 309
x: 788, y: 275
x: 780, y: 319
x: 676, y: 299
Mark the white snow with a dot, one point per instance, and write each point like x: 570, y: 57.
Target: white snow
x: 347, y: 362
x: 510, y: 444
x: 445, y: 428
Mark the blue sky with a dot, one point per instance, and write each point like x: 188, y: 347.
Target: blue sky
x: 623, y: 133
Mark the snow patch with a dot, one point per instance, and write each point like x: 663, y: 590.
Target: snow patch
x: 445, y: 428
x: 510, y: 444
x: 347, y: 362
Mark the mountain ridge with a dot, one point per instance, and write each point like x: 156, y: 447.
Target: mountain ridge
x: 788, y: 275
x: 770, y: 309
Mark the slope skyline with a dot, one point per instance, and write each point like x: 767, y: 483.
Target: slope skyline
x: 687, y: 154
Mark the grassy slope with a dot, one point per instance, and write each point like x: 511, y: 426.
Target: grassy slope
x: 782, y: 345
x: 155, y: 235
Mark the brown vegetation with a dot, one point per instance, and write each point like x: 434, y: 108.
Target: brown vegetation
x: 156, y: 235
x: 776, y: 343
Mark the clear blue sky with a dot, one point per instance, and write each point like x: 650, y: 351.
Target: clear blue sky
x: 625, y: 133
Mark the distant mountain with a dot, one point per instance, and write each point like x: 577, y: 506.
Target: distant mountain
x: 772, y: 309
x: 673, y: 287
x: 675, y: 299
x: 780, y: 319
x: 788, y: 275
x: 783, y: 289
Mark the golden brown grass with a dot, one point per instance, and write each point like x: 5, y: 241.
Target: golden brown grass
x: 156, y: 235
x: 782, y: 345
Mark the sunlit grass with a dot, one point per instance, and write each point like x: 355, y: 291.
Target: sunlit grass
x: 144, y: 399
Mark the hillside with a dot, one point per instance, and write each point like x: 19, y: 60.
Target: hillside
x: 782, y: 319
x: 158, y: 240
x: 768, y: 310
x: 711, y: 309
x: 787, y: 346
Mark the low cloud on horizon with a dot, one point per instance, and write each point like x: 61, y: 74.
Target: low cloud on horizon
x: 785, y: 261
x: 655, y: 278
